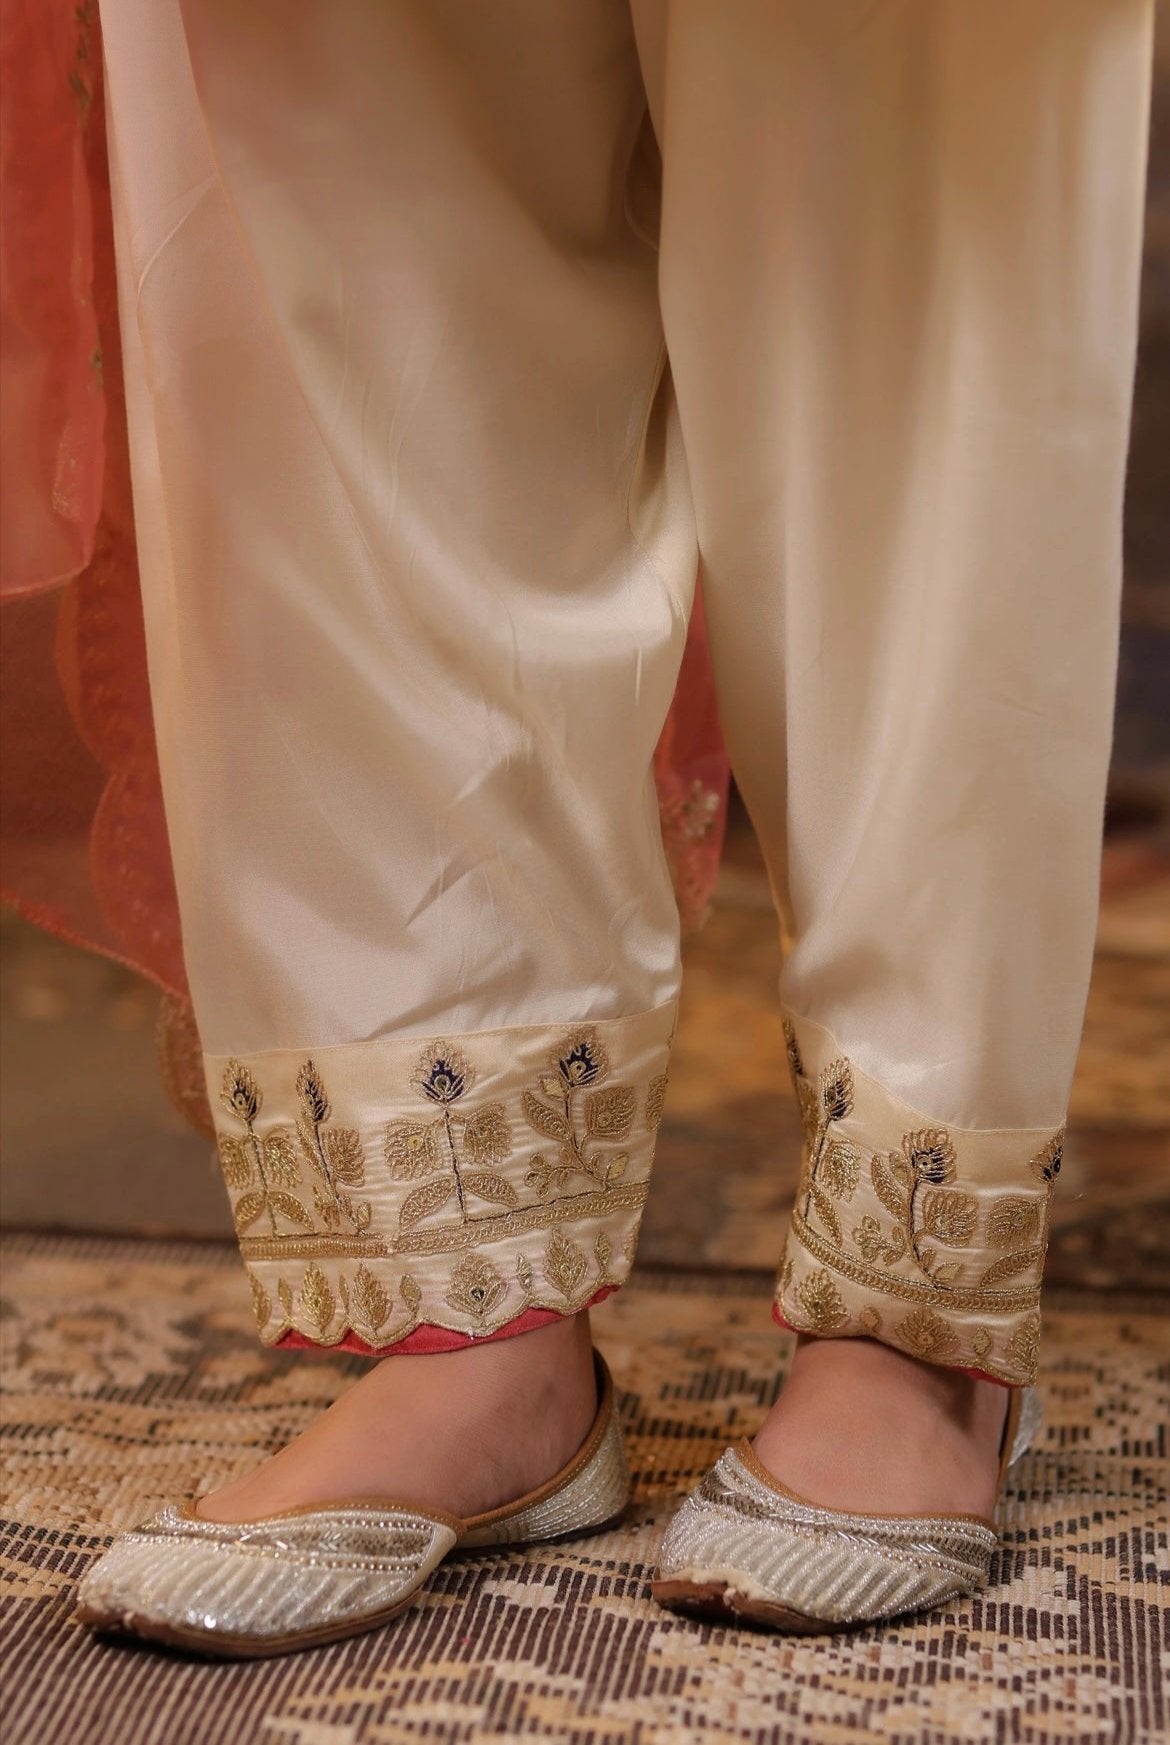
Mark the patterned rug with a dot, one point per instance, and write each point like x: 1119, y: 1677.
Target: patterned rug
x: 132, y: 1376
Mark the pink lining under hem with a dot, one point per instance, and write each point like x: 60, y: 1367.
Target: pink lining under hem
x: 975, y: 1374
x: 428, y: 1338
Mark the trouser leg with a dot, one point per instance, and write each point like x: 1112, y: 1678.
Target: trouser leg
x: 416, y: 588
x: 900, y: 252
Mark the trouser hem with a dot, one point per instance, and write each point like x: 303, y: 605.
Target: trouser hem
x: 926, y: 1236
x: 405, y: 1196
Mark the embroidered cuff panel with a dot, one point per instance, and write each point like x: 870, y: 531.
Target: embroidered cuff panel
x: 927, y: 1237
x: 383, y: 1188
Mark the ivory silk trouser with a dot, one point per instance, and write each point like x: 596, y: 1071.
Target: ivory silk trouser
x: 442, y: 386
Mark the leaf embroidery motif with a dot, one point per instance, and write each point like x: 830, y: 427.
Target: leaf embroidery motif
x: 564, y: 1264
x: 1010, y: 1265
x: 410, y: 1150
x: 835, y: 1089
x: 343, y: 1148
x: 486, y: 1138
x: 317, y: 1300
x: 1014, y: 1222
x: 840, y: 1169
x: 827, y: 1212
x: 370, y: 1299
x: 486, y: 1185
x: 425, y: 1201
x: 247, y: 1209
x: 656, y: 1101
x: 291, y: 1208
x: 886, y: 1173
x: 550, y: 1123
x: 261, y: 1301
x: 950, y: 1216
x: 821, y: 1301
x: 609, y: 1114
x: 280, y: 1160
x: 234, y: 1161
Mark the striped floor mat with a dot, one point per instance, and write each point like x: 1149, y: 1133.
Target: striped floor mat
x: 131, y: 1376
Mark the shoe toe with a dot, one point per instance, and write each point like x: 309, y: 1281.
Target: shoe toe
x: 255, y: 1587
x: 739, y: 1547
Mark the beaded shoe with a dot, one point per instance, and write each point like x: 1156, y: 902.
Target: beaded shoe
x: 242, y: 1590
x: 743, y: 1548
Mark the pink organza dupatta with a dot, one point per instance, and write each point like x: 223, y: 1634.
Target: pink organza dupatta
x: 82, y: 830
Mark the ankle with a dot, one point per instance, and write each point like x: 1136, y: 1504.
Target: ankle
x: 861, y: 1425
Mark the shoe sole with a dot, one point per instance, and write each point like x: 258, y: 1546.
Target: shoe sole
x: 135, y: 1627
x: 715, y: 1601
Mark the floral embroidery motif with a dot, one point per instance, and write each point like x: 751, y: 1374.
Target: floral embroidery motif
x: 495, y: 1225
x: 366, y: 1300
x: 822, y: 1302
x: 927, y: 1335
x: 831, y: 1101
x: 918, y: 1234
x: 608, y: 1117
x: 267, y: 1169
x: 476, y: 1287
x: 459, y: 1153
x: 565, y: 1266
x: 1045, y: 1166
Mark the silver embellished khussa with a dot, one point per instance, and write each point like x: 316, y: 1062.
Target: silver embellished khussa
x: 741, y: 1546
x: 259, y: 1586
x: 315, y: 1575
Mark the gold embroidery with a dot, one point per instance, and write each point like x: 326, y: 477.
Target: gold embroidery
x: 656, y: 1101
x: 959, y: 1298
x: 792, y: 1050
x: 266, y: 1168
x: 368, y: 1298
x: 487, y: 1141
x: 821, y: 1301
x: 826, y: 1210
x: 1013, y: 1264
x: 1045, y: 1166
x: 565, y: 1266
x: 317, y: 1300
x: 875, y: 1243
x: 261, y: 1302
x: 927, y: 1335
x: 409, y: 1149
x: 334, y: 1154
x: 451, y: 1238
x: 1023, y: 1348
x: 449, y: 1143
x: 311, y: 1247
x: 840, y: 1169
x: 476, y: 1287
x: 1014, y: 1222
x: 453, y: 1190
x: 579, y: 1064
x: 950, y: 1216
x: 919, y: 1187
x: 834, y: 1100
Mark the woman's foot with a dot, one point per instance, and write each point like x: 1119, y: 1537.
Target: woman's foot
x: 461, y: 1431
x: 864, y: 1428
